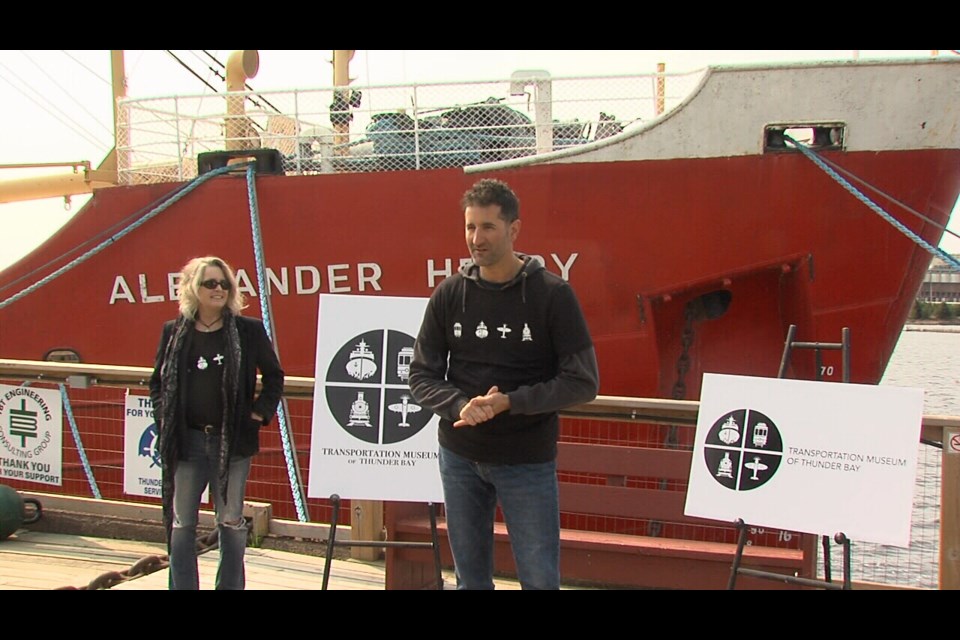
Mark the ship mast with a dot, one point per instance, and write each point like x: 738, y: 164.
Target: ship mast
x: 241, y: 66
x: 118, y: 82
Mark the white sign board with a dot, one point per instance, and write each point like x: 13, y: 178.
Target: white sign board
x: 816, y: 457
x: 141, y: 450
x: 31, y: 434
x: 370, y: 439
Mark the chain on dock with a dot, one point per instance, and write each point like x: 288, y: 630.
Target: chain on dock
x: 143, y: 567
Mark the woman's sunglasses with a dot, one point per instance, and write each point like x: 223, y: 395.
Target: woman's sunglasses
x: 212, y: 284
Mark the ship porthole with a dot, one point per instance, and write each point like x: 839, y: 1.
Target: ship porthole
x: 61, y: 355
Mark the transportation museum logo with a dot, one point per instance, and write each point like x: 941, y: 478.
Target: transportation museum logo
x: 367, y: 388
x: 743, y: 450
x: 370, y: 438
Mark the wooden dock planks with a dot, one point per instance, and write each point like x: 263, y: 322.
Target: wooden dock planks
x: 32, y: 560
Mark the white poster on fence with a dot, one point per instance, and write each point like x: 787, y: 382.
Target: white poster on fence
x: 31, y: 434
x: 141, y: 449
x: 816, y: 457
x: 370, y: 439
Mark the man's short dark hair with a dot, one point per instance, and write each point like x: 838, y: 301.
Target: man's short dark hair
x: 488, y: 192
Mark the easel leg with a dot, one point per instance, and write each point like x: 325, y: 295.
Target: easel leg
x: 331, y: 539
x: 435, y: 538
x: 741, y: 542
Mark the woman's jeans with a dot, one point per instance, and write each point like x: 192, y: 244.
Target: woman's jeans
x: 528, y: 496
x: 198, y: 466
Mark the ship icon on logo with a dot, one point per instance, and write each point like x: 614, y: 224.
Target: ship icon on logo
x: 362, y: 364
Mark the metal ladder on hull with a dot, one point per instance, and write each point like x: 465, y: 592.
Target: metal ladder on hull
x: 827, y: 583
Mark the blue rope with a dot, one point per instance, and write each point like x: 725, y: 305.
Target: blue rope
x: 79, y: 442
x: 295, y: 486
x: 946, y: 257
x: 120, y: 234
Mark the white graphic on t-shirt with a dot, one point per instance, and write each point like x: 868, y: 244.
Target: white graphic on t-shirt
x: 504, y: 330
x: 481, y: 330
x: 457, y: 329
x: 219, y: 359
x: 202, y: 363
x: 527, y: 336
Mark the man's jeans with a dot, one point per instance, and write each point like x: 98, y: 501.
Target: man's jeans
x: 197, y: 467
x: 528, y: 497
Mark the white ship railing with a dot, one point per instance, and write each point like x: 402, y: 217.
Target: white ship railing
x: 389, y: 127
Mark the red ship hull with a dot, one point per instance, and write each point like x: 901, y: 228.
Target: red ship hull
x: 637, y: 240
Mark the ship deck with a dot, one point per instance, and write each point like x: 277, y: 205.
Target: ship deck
x: 38, y: 561
x: 32, y: 560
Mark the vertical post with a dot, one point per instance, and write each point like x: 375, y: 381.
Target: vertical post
x: 845, y: 353
x: 366, y: 523
x: 543, y: 99
x: 661, y: 87
x: 542, y: 104
x: 341, y: 78
x: 787, y: 348
x: 241, y: 65
x: 118, y: 81
x: 950, y: 511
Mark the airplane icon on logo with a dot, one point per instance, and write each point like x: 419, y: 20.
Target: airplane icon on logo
x: 404, y: 407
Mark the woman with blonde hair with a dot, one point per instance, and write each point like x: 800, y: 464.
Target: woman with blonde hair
x: 208, y: 411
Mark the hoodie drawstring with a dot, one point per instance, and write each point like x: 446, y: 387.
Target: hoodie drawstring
x: 472, y: 273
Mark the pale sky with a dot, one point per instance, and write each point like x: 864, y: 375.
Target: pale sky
x: 57, y: 104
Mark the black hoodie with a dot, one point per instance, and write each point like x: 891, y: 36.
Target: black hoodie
x: 528, y: 337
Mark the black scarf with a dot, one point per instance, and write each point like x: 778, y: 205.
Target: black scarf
x: 169, y: 390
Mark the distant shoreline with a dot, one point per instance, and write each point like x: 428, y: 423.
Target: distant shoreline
x: 932, y: 327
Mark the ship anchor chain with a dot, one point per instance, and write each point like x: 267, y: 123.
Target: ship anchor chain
x: 683, y: 364
x: 672, y: 440
x: 143, y: 567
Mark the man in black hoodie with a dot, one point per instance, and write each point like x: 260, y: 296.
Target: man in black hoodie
x: 502, y: 348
